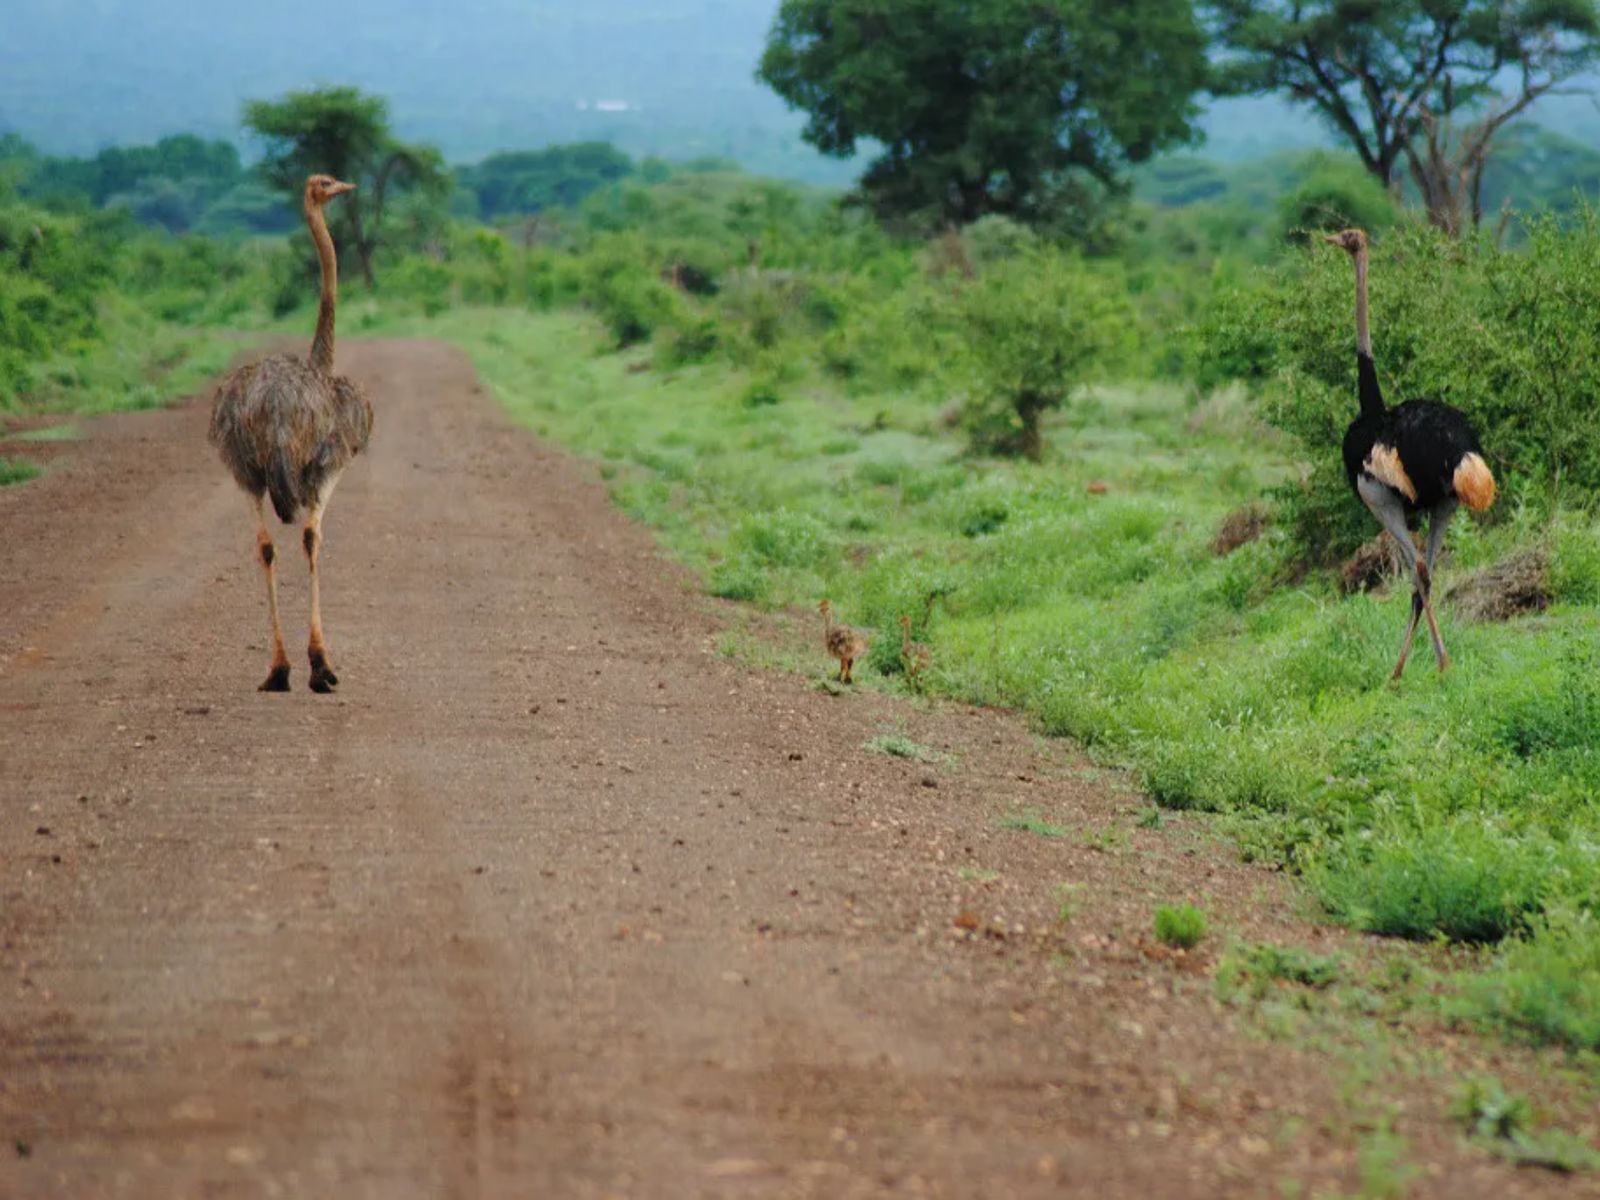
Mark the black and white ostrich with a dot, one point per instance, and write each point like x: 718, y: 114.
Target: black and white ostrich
x: 1420, y: 456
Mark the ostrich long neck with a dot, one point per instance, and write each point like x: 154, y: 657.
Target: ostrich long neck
x: 1363, y: 334
x: 322, y: 341
x: 1367, y: 374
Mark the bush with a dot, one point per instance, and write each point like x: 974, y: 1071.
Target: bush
x: 620, y: 285
x: 1336, y: 193
x: 1545, y: 987
x: 424, y: 280
x: 783, y: 539
x: 1183, y: 927
x: 1034, y: 327
x: 1462, y: 880
x: 694, y: 340
x: 1504, y: 336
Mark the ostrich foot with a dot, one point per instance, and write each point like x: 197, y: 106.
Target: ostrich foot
x: 323, y: 680
x: 277, y: 680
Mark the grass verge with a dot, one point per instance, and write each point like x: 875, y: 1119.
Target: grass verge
x: 1085, y: 591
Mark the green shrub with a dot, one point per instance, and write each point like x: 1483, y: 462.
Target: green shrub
x: 694, y: 340
x: 16, y: 470
x: 1503, y: 335
x: 783, y: 539
x: 1462, y: 880
x: 1544, y: 987
x: 424, y: 280
x: 1336, y: 193
x: 1183, y: 927
x: 761, y: 392
x: 1292, y: 965
x: 1575, y: 563
x: 1033, y: 328
x: 738, y: 578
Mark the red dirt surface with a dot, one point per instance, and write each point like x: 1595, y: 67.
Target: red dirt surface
x: 550, y: 900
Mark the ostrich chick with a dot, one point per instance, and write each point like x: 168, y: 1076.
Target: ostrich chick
x: 915, y: 657
x: 841, y: 641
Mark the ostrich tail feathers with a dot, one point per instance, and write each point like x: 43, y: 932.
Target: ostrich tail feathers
x: 280, y: 486
x: 1474, y: 483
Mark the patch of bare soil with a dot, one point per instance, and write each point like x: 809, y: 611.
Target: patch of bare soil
x: 550, y: 899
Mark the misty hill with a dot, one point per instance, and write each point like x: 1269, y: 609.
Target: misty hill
x: 668, y: 77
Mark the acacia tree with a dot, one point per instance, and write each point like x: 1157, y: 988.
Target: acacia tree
x: 988, y: 106
x: 341, y: 132
x: 1387, y: 75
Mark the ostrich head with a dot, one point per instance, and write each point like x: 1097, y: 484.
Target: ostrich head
x: 905, y: 623
x: 825, y: 608
x: 322, y: 188
x: 1351, y: 240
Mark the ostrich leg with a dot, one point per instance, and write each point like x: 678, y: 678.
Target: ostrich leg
x: 1386, y: 504
x: 267, y: 554
x: 1438, y: 521
x: 323, y: 680
x: 1411, y: 633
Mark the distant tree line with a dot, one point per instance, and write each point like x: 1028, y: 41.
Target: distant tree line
x: 185, y: 183
x: 182, y: 184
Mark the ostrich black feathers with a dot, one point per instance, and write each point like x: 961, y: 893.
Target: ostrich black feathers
x: 1430, y: 442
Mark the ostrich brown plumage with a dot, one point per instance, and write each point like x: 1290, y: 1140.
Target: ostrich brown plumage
x: 842, y: 642
x: 916, y: 658
x: 286, y: 428
x: 1420, y: 456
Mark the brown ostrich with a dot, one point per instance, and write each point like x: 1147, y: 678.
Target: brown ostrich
x: 841, y: 641
x: 915, y: 657
x: 286, y: 428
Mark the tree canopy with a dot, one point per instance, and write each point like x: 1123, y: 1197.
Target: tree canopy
x: 342, y: 132
x: 989, y: 106
x: 530, y: 181
x: 1389, y: 75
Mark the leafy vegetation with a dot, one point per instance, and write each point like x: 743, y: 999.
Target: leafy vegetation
x: 16, y: 470
x: 997, y: 106
x: 1501, y: 334
x: 524, y: 182
x: 897, y: 745
x: 1391, y: 81
x: 342, y: 132
x: 803, y: 401
x: 1183, y: 927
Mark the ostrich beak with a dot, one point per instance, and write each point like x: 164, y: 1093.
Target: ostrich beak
x: 339, y: 189
x: 1333, y: 240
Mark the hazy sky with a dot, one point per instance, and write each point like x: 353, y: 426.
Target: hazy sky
x: 471, y: 75
x: 77, y: 73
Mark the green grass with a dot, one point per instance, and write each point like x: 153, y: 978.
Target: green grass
x: 142, y: 362
x: 1502, y: 1123
x: 17, y: 470
x: 1253, y: 969
x: 65, y: 432
x: 1544, y: 988
x: 1460, y: 806
x: 897, y: 745
x: 1032, y: 823
x: 1183, y: 927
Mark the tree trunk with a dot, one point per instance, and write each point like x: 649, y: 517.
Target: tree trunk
x: 1030, y: 439
x: 362, y: 244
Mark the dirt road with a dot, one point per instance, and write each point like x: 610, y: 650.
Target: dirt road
x: 550, y: 900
